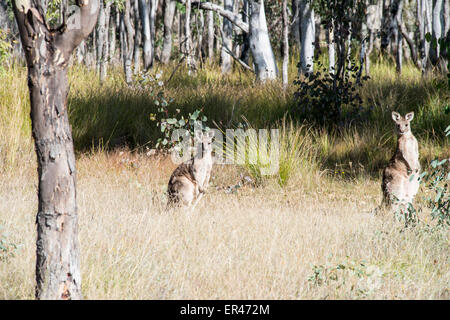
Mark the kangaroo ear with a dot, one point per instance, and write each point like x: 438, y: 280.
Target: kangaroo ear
x: 409, y: 116
x: 198, y: 135
x: 210, y: 134
x: 396, y: 116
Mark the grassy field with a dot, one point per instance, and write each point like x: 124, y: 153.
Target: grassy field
x: 307, y: 233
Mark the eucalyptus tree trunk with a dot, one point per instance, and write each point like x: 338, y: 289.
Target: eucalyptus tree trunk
x: 105, y: 51
x: 285, y: 45
x: 137, y: 37
x: 4, y: 23
x: 169, y: 13
x: 210, y: 22
x: 127, y: 36
x: 307, y: 33
x: 424, y: 24
x: 397, y: 10
x: 446, y: 14
x: 147, y: 39
x: 101, y: 38
x: 47, y: 53
x: 227, y: 43
x: 153, y: 11
x: 438, y: 26
x: 245, y: 50
x: 188, y: 38
x: 263, y: 57
x: 200, y: 19
x: 295, y: 28
x: 112, y: 36
x: 362, y: 53
x: 331, y: 49
x: 373, y: 22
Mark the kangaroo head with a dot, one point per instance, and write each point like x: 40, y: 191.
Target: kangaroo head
x: 402, y: 124
x: 204, y: 141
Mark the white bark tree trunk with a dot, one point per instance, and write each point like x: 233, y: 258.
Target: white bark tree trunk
x: 210, y: 21
x: 263, y: 57
x: 307, y: 26
x: 169, y: 13
x: 147, y: 39
x: 227, y: 43
x: 285, y: 45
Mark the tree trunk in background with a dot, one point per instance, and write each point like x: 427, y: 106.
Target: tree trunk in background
x: 285, y: 45
x: 153, y: 11
x: 127, y: 37
x: 101, y: 36
x: 112, y: 36
x: 263, y: 57
x: 317, y: 29
x: 210, y: 21
x: 245, y: 51
x: 48, y: 53
x: 4, y: 22
x: 307, y: 37
x: 362, y: 53
x: 424, y: 22
x: 137, y: 37
x: 331, y: 49
x: 147, y: 39
x: 188, y: 38
x: 227, y: 34
x: 446, y: 18
x: 438, y: 32
x: 397, y: 10
x: 169, y: 13
x: 295, y: 27
x: 200, y: 31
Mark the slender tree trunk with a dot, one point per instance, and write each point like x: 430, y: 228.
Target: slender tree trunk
x: 398, y: 37
x: 285, y: 45
x: 245, y: 51
x: 331, y: 49
x: 263, y: 57
x: 137, y: 37
x: 200, y: 31
x: 112, y: 36
x: 169, y: 13
x: 48, y: 54
x: 363, y: 51
x: 424, y: 22
x: 210, y: 21
x: 438, y: 27
x: 227, y: 43
x: 101, y: 37
x: 188, y: 41
x: 147, y: 39
x: 127, y: 31
x: 296, y: 23
x: 307, y: 26
x: 153, y: 12
x: 4, y: 21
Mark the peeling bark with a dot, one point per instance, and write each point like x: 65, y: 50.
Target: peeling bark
x: 169, y: 13
x: 47, y: 53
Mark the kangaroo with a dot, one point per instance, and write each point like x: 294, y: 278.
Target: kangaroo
x: 398, y: 187
x: 189, y: 181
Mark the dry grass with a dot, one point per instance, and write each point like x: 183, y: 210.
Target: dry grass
x: 244, y: 245
x: 307, y: 234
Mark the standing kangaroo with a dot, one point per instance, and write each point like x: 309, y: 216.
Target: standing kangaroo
x: 190, y: 179
x: 398, y: 186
